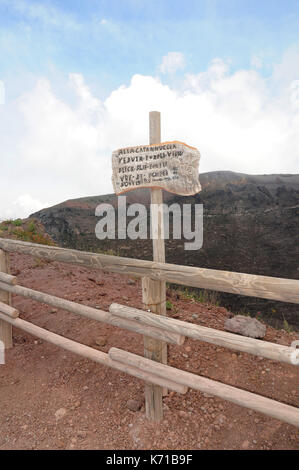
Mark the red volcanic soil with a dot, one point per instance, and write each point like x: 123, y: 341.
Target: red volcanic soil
x: 53, y: 399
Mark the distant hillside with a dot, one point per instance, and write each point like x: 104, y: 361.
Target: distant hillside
x: 29, y: 230
x: 250, y: 225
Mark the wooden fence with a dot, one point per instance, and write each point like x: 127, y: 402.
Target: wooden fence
x: 151, y: 325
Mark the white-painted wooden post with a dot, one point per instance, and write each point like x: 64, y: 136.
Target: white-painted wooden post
x: 5, y: 297
x: 154, y: 292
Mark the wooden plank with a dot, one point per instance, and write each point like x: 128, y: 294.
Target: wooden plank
x: 8, y: 310
x: 285, y: 290
x: 276, y: 352
x: 90, y: 353
x: 5, y: 297
x: 94, y: 314
x: 267, y: 406
x: 157, y: 293
x: 154, y: 292
x: 12, y: 280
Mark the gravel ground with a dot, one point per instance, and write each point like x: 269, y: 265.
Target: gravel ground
x: 53, y: 399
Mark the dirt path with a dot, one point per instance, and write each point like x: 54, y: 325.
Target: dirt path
x: 53, y: 399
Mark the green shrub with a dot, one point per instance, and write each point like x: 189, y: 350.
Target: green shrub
x: 31, y: 227
x: 286, y: 326
x: 17, y: 222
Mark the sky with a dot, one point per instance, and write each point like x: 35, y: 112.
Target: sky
x: 78, y: 79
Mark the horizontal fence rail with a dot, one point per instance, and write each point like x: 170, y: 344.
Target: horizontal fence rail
x: 8, y: 310
x: 257, y: 347
x: 157, y: 326
x: 94, y: 314
x: 286, y: 290
x: 264, y: 405
x: 90, y: 353
x: 12, y: 280
x: 163, y: 375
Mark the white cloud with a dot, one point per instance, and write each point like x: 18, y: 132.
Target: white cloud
x: 64, y: 152
x: 294, y: 91
x: 256, y: 61
x: 22, y: 207
x: 172, y: 62
x: 2, y: 92
x: 288, y: 68
x: 26, y: 204
x: 45, y: 14
x: 60, y: 138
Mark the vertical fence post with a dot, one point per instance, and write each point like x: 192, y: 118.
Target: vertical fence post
x: 5, y: 327
x: 154, y: 292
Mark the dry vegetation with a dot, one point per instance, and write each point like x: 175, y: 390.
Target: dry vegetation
x: 28, y: 230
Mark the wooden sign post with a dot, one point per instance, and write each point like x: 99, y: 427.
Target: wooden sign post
x: 154, y: 292
x: 172, y: 166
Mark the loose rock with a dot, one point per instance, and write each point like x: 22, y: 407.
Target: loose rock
x: 134, y: 405
x: 245, y: 445
x: 60, y: 413
x: 246, y: 326
x: 101, y: 341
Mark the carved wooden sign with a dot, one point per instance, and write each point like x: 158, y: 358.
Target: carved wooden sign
x: 172, y: 166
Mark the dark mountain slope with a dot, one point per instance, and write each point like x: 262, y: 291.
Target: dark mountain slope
x: 250, y: 225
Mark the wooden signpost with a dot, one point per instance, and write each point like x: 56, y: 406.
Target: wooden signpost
x: 172, y: 166
x: 154, y: 292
